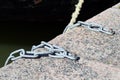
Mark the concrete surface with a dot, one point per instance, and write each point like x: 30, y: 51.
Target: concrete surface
x: 99, y: 55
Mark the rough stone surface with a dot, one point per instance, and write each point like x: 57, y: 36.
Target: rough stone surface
x: 99, y: 52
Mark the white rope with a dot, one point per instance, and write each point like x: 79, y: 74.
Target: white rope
x: 74, y: 14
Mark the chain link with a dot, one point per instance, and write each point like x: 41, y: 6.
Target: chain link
x: 54, y: 50
x: 91, y: 26
x: 51, y: 51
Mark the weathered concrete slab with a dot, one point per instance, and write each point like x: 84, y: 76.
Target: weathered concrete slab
x: 99, y: 52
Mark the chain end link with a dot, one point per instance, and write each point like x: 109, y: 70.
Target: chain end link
x: 91, y: 26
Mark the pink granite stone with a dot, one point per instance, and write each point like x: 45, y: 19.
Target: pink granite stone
x: 99, y: 55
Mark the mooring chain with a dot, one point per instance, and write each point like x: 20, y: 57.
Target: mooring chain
x: 91, y: 26
x: 51, y: 51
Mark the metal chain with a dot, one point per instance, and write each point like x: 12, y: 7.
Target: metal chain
x: 91, y: 26
x: 51, y: 51
x: 54, y: 50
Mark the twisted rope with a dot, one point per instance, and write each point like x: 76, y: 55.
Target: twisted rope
x: 74, y: 15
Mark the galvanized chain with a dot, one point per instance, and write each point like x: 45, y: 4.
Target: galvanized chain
x: 91, y: 26
x: 51, y: 51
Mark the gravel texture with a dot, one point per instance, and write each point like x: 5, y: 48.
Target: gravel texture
x: 99, y: 55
